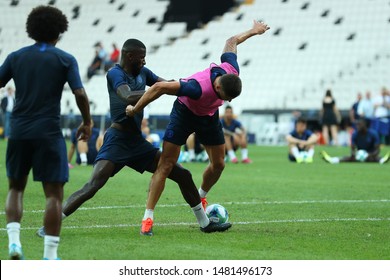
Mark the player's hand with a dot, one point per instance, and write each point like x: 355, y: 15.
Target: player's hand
x: 84, y: 132
x: 130, y: 111
x: 259, y: 27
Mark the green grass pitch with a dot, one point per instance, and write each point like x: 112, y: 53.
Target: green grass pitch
x: 279, y: 210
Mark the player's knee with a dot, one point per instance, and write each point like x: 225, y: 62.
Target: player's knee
x: 218, y: 166
x: 166, y: 167
x: 186, y: 174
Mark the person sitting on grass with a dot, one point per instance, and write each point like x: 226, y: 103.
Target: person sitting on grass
x: 301, y: 142
x: 364, y: 147
x: 235, y: 137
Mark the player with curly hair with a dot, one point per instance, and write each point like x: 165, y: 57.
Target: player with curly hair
x: 36, y: 141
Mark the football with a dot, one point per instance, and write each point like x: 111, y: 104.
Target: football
x: 303, y: 154
x: 361, y: 155
x: 217, y: 213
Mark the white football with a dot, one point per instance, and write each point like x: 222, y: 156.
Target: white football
x: 217, y: 213
x: 361, y: 155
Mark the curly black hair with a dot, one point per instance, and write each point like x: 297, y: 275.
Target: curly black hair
x: 46, y: 23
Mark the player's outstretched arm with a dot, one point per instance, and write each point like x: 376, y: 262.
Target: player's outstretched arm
x: 258, y: 28
x: 154, y: 92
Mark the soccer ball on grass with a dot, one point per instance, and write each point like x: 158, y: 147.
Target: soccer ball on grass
x: 217, y: 213
x: 361, y: 155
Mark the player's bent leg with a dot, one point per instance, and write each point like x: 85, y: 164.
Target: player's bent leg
x: 183, y: 178
x: 215, y: 167
x: 102, y: 171
x: 168, y: 160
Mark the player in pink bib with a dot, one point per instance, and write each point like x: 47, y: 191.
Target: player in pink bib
x: 196, y: 110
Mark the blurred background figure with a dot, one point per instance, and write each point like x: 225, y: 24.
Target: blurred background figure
x: 152, y: 138
x: 235, y: 136
x: 366, y: 107
x: 380, y: 121
x: 7, y: 105
x: 364, y: 148
x: 301, y: 142
x: 194, y: 151
x: 86, y: 152
x: 98, y: 60
x: 353, y: 113
x: 330, y: 118
x: 114, y: 57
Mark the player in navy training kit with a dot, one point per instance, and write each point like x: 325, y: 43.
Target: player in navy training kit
x: 86, y: 152
x: 123, y: 143
x: 235, y: 136
x: 36, y: 142
x: 301, y: 140
x: 362, y: 139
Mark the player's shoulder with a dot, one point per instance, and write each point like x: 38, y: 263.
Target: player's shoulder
x: 236, y: 122
x: 308, y: 132
x: 145, y: 71
x: 62, y: 53
x: 373, y: 132
x: 293, y: 132
x: 21, y: 51
x: 114, y: 71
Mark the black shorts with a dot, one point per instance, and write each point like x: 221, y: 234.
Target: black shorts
x: 183, y: 122
x: 46, y: 157
x: 122, y: 149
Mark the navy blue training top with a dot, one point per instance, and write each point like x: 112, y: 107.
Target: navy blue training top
x: 192, y: 88
x: 116, y: 77
x: 233, y: 125
x: 39, y: 72
x: 304, y: 136
x: 366, y: 141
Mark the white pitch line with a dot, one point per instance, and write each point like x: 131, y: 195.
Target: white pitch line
x: 227, y: 203
x: 234, y: 223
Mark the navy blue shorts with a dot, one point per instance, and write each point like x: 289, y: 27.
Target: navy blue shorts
x: 183, y: 122
x: 123, y: 148
x: 46, y: 157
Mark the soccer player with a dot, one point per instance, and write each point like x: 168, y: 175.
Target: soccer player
x: 124, y: 144
x: 196, y: 110
x: 301, y: 140
x: 235, y: 137
x: 362, y: 139
x: 40, y: 72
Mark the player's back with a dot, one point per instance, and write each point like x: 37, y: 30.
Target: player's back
x: 40, y: 72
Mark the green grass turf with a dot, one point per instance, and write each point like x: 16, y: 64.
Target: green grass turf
x: 279, y: 210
